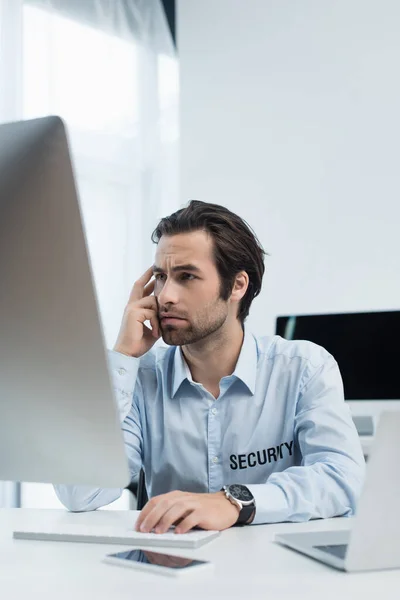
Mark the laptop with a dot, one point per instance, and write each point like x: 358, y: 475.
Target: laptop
x: 58, y: 416
x: 372, y: 540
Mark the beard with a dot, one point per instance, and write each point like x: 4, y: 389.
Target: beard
x: 209, y: 322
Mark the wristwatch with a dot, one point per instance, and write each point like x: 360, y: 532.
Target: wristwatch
x: 241, y: 496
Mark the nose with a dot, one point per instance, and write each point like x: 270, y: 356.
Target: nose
x: 167, y: 293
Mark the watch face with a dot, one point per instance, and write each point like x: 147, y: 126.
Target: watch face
x: 241, y: 492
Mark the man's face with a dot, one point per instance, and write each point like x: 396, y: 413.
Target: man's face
x: 188, y: 288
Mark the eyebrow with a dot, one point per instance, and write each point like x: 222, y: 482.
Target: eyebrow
x: 178, y: 268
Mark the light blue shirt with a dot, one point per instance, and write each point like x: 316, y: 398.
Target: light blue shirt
x: 280, y: 426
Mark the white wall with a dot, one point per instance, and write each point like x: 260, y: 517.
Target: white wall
x: 290, y: 116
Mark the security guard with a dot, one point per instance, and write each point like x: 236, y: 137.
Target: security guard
x: 229, y: 427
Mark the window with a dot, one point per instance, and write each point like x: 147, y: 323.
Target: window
x: 117, y: 92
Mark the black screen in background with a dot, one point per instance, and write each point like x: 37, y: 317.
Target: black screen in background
x: 365, y: 345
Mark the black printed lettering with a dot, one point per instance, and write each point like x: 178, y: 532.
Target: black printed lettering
x: 261, y: 457
x: 261, y: 462
x: 289, y: 447
x: 251, y: 464
x: 233, y: 460
x: 242, y: 461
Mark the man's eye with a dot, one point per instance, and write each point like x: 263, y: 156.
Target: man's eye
x: 187, y: 277
x: 159, y: 276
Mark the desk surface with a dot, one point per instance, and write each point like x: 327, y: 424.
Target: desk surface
x: 247, y: 566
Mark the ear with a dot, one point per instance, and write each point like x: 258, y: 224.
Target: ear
x: 240, y: 286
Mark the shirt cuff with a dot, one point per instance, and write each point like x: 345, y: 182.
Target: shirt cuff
x: 123, y: 371
x: 271, y: 503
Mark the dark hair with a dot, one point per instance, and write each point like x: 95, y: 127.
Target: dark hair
x: 236, y: 247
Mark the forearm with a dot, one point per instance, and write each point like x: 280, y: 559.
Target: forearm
x: 318, y: 491
x: 79, y: 498
x: 123, y: 371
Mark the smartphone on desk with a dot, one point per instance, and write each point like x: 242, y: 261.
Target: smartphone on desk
x: 157, y: 562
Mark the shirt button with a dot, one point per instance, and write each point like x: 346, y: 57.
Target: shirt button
x: 122, y: 371
x: 214, y: 411
x: 215, y: 459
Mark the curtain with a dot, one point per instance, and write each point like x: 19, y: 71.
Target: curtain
x: 109, y: 69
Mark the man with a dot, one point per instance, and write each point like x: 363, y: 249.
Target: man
x: 219, y: 406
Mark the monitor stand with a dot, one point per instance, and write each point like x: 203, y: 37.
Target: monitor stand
x: 10, y: 494
x: 364, y: 425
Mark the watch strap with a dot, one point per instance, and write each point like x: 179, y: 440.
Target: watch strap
x: 245, y: 514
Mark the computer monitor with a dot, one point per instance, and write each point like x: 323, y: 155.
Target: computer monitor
x: 58, y: 416
x: 364, y: 345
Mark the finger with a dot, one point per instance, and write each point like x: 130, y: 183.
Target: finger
x: 192, y: 520
x: 152, y: 331
x: 155, y: 331
x: 178, y: 511
x: 147, y: 331
x: 139, y: 285
x: 159, y: 504
x: 146, y: 314
x: 148, y: 507
x: 149, y: 288
x: 154, y: 516
x: 146, y: 302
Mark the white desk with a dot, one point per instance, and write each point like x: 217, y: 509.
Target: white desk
x: 247, y: 566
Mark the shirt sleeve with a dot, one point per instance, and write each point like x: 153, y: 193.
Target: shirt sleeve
x: 329, y: 479
x: 127, y: 388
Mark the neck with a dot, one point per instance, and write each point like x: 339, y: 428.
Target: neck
x: 215, y: 357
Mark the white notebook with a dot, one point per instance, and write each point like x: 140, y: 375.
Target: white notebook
x: 100, y: 534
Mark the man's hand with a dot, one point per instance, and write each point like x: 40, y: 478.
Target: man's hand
x: 186, y: 510
x: 135, y: 338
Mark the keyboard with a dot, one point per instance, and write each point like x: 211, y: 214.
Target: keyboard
x: 115, y: 535
x: 338, y: 550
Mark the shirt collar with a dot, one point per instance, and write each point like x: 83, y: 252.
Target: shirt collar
x: 246, y: 366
